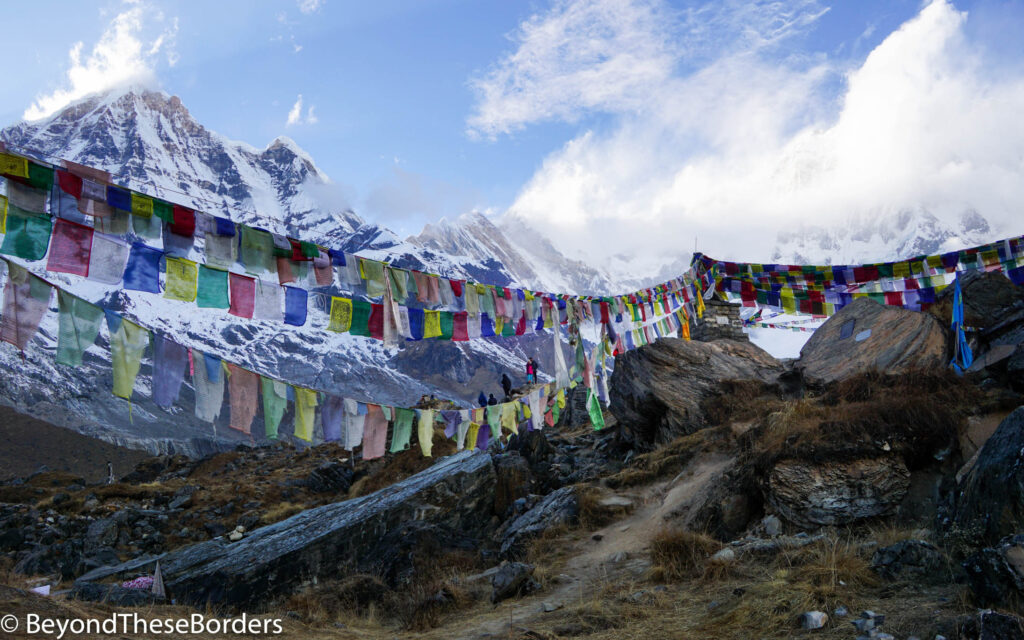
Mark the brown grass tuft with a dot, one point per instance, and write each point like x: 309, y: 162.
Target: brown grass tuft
x: 594, y: 514
x: 669, y: 459
x: 680, y: 555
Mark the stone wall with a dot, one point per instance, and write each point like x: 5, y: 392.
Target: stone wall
x: 721, y: 320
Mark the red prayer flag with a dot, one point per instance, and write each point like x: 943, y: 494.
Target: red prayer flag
x: 910, y: 284
x: 604, y: 313
x: 376, y: 323
x: 70, y: 248
x: 457, y: 287
x: 69, y: 183
x: 243, y: 295
x: 184, y: 221
x: 894, y: 298
x: 460, y: 331
x: 284, y: 271
x: 521, y: 325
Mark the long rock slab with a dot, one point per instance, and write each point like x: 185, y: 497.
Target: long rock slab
x: 323, y: 542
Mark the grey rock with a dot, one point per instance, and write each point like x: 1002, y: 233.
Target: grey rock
x: 183, y: 497
x: 324, y: 541
x: 560, y: 507
x: 915, y: 560
x: 101, y: 533
x: 841, y: 612
x: 772, y: 526
x: 113, y: 594
x: 330, y: 477
x: 512, y: 579
x: 813, y: 619
x: 990, y: 504
x: 657, y: 392
x: 723, y: 556
x: 996, y: 574
x: 552, y: 606
x: 991, y: 625
x: 837, y: 493
x: 899, y: 341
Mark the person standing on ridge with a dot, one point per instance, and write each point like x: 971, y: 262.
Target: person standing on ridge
x: 492, y: 400
x: 529, y: 371
x: 506, y: 385
x: 482, y: 399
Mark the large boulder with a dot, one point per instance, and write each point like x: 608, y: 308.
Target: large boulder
x: 916, y: 561
x: 658, y: 391
x: 456, y: 492
x: 837, y: 493
x: 996, y: 574
x: 865, y: 336
x: 990, y: 504
x: 558, y: 508
x: 989, y: 298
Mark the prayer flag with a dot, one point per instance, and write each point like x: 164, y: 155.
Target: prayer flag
x: 13, y: 165
x: 141, y: 205
x: 243, y: 293
x: 332, y: 417
x: 26, y: 300
x: 447, y: 325
x: 360, y: 320
x: 373, y: 272
x: 425, y: 431
x: 416, y: 323
x: 27, y: 234
x: 184, y: 223
x: 295, y: 306
x: 431, y: 324
x: 341, y: 315
x: 70, y: 248
x: 243, y: 386
x: 119, y: 198
x: 143, y: 270
x: 3, y: 214
x: 460, y: 330
x: 268, y: 302
x: 208, y: 380
x: 169, y: 363
x: 127, y: 343
x: 78, y: 325
x: 257, y: 250
x: 212, y: 288
x: 375, y: 433
x: 107, y: 259
x: 26, y: 198
x: 403, y: 430
x: 305, y: 413
x: 275, y: 400
x: 181, y: 279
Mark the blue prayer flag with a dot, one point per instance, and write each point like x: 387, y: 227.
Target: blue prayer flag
x: 143, y: 270
x: 295, y: 306
x: 486, y: 326
x: 119, y: 198
x: 416, y: 323
x: 225, y: 227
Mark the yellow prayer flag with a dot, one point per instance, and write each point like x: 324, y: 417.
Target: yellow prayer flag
x: 901, y: 270
x: 13, y: 165
x: 3, y: 214
x: 142, y: 206
x: 341, y: 315
x: 181, y: 279
x: 305, y: 413
x: 431, y: 324
x: 935, y: 262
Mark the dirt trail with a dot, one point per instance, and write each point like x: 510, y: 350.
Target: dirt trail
x: 617, y: 552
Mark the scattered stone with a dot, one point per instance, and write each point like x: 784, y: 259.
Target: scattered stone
x: 813, y: 619
x: 772, y: 526
x: 841, y: 612
x: 183, y: 497
x: 618, y: 557
x: 513, y: 579
x: 552, y: 606
x: 597, y: 537
x: 915, y: 560
x: 235, y: 536
x: 723, y: 556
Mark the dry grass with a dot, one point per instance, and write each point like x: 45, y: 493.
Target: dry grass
x: 669, y: 459
x: 739, y: 400
x: 594, y: 514
x: 680, y: 555
x: 279, y: 511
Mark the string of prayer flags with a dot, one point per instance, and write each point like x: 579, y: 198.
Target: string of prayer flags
x: 181, y: 280
x: 27, y: 234
x: 78, y: 325
x: 70, y: 248
x: 170, y: 360
x: 127, y: 343
x: 296, y: 306
x: 243, y: 296
x: 208, y: 379
x: 243, y: 385
x: 305, y: 413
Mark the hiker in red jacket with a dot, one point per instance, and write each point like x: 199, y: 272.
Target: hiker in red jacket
x: 531, y: 371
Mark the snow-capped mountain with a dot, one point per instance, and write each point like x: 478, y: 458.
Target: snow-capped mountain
x: 149, y: 142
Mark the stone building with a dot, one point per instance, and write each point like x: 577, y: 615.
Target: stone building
x: 721, y: 320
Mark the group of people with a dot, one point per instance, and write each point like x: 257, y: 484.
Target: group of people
x: 532, y: 372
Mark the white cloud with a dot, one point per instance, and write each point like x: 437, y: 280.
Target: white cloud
x: 295, y: 114
x: 744, y: 140
x: 133, y: 45
x: 310, y: 6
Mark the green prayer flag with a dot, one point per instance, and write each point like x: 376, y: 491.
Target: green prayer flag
x: 28, y: 234
x: 275, y: 400
x: 163, y: 210
x: 885, y: 270
x: 447, y: 325
x: 373, y: 272
x: 257, y: 251
x: 78, y: 325
x: 508, y: 329
x: 494, y: 420
x: 399, y: 288
x: 594, y: 409
x: 39, y: 176
x: 308, y: 249
x: 360, y: 318
x: 213, y: 288
x: 403, y: 430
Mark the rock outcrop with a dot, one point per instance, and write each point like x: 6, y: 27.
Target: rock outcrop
x: 996, y: 574
x: 457, y: 492
x: 658, y: 391
x: 561, y: 507
x: 865, y: 336
x: 916, y: 561
x: 837, y: 493
x: 990, y: 504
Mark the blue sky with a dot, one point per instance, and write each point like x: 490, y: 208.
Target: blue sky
x: 577, y: 117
